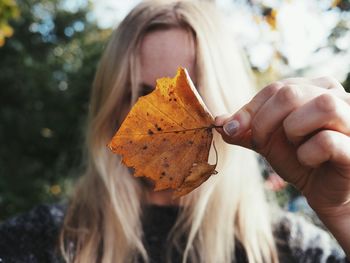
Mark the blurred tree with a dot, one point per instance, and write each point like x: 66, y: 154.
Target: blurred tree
x: 46, y: 67
x: 322, y: 27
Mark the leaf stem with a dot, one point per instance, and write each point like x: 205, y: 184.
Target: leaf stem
x: 216, y: 126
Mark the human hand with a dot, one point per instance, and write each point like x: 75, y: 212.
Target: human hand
x: 301, y: 126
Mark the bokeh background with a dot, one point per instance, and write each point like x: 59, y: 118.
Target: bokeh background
x: 49, y: 50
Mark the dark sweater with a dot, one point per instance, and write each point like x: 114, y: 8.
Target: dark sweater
x: 33, y: 237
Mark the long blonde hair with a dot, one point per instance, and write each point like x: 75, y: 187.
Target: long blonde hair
x: 103, y: 221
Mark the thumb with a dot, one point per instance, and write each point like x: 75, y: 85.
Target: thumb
x: 235, y: 129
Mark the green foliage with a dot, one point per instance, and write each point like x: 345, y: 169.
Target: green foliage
x: 46, y: 69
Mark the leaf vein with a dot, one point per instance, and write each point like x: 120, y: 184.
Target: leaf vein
x: 164, y: 114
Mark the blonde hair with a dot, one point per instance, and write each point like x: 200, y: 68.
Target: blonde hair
x: 103, y: 221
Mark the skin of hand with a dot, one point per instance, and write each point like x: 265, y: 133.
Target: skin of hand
x: 302, y: 126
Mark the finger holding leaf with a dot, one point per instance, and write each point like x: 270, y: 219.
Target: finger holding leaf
x: 302, y: 128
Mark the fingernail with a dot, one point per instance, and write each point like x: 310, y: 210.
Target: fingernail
x: 231, y: 127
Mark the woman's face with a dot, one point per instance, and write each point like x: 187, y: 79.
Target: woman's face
x: 162, y: 52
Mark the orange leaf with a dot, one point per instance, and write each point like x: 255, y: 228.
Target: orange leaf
x: 167, y: 136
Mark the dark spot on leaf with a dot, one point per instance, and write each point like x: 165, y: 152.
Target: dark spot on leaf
x: 144, y: 147
x: 164, y: 139
x: 170, y: 178
x: 170, y: 99
x: 161, y: 119
x: 163, y: 173
x: 130, y: 142
x: 147, y: 113
x: 175, y: 100
x: 150, y: 132
x: 183, y: 132
x: 190, y: 142
x: 176, y: 131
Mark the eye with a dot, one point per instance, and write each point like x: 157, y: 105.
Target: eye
x: 145, y: 89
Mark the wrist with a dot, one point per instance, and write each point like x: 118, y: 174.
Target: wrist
x: 337, y: 221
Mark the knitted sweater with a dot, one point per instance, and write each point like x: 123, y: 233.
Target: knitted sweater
x: 33, y: 237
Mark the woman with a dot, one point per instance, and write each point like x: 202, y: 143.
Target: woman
x: 114, y: 217
x: 152, y: 41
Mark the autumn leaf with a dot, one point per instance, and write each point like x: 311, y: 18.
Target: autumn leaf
x: 167, y: 136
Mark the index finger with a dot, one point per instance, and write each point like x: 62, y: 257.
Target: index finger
x: 323, y: 82
x: 236, y: 128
